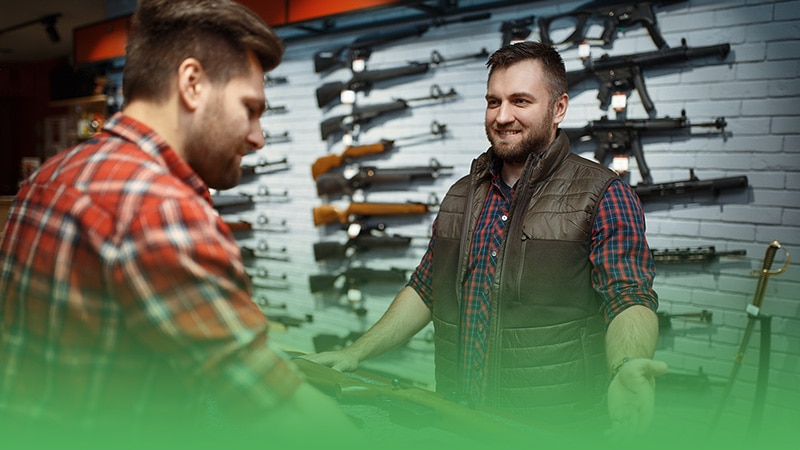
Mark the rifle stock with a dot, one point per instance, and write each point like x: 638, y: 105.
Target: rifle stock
x: 328, y: 214
x: 325, y: 164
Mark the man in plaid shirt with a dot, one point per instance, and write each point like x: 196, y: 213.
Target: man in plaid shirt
x: 538, y: 276
x: 124, y: 304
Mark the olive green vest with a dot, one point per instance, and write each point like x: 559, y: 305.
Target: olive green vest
x: 546, y: 336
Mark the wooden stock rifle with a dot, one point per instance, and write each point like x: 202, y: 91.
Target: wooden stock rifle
x: 328, y: 214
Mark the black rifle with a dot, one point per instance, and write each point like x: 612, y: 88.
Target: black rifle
x: 361, y: 48
x: 691, y: 255
x: 354, y: 277
x: 228, y: 201
x: 624, y: 72
x: 263, y: 167
x: 614, y: 15
x: 354, y: 178
x: 275, y: 139
x: 336, y: 250
x: 263, y: 250
x: 693, y: 184
x: 272, y: 81
x: 364, y: 81
x: 363, y: 114
x: 516, y: 30
x: 622, y: 137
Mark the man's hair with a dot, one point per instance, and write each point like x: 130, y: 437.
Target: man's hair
x: 218, y: 33
x: 552, y: 63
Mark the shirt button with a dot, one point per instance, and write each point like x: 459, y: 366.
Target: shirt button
x: 504, y: 217
x: 494, y: 254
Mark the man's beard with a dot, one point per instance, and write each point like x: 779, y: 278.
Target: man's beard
x: 210, y: 153
x: 537, y: 141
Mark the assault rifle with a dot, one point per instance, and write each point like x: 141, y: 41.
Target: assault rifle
x: 516, y: 30
x: 363, y: 114
x: 613, y: 14
x: 361, y: 177
x: 691, y: 255
x: 364, y: 81
x: 326, y: 163
x: 623, y: 136
x: 361, y: 48
x: 328, y: 214
x: 336, y: 250
x: 263, y: 166
x: 623, y: 73
x: 693, y: 184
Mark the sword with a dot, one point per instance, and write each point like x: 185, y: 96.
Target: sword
x: 753, y: 314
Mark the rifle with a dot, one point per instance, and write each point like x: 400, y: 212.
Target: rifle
x: 361, y: 48
x: 262, y: 250
x: 227, y: 201
x: 272, y: 81
x: 331, y: 250
x: 416, y: 407
x: 516, y: 30
x: 262, y: 166
x: 326, y: 163
x: 363, y: 81
x: 326, y: 214
x: 691, y: 255
x: 623, y: 136
x: 624, y: 72
x: 354, y: 277
x: 361, y: 177
x: 363, y: 114
x: 614, y: 14
x: 675, y: 188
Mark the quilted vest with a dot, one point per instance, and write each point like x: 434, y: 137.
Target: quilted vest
x: 546, y: 336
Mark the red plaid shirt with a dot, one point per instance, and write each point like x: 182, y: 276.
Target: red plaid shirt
x: 123, y: 293
x: 622, y: 268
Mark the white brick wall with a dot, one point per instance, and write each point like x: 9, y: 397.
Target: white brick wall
x: 755, y: 88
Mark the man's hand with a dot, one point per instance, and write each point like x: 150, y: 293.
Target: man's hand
x: 340, y: 360
x: 631, y: 398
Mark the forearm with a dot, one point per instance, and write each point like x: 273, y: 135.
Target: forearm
x: 404, y: 318
x: 632, y: 334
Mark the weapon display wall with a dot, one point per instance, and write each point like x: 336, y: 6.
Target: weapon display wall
x: 755, y: 88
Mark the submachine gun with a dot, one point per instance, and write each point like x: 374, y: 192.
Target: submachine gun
x: 622, y: 137
x: 624, y: 73
x: 613, y: 14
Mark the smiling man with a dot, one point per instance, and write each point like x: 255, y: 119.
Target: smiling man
x: 538, y: 277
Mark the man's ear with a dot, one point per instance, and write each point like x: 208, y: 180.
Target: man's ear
x: 560, y: 108
x: 191, y: 83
